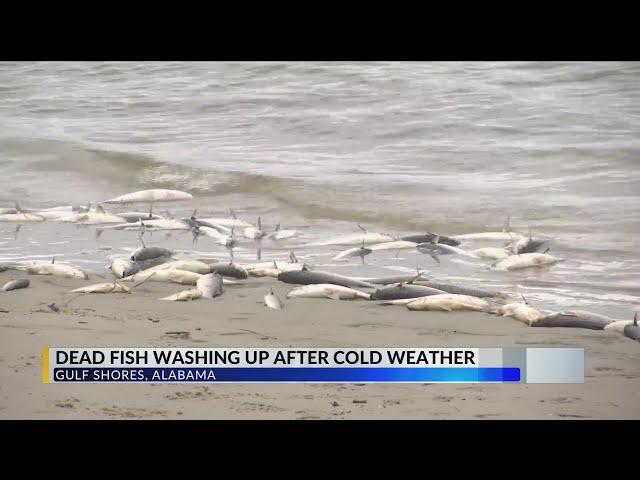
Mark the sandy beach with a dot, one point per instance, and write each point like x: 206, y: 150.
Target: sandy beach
x: 238, y: 319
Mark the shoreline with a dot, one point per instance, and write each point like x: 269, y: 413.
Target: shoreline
x: 238, y: 319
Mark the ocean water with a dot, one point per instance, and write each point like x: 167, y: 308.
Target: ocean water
x: 397, y: 147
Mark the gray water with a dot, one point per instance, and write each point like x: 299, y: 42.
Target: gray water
x: 399, y: 147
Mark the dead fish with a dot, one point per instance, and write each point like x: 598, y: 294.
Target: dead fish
x: 431, y: 238
x: 395, y: 245
x: 271, y: 301
x: 520, y: 311
x: 505, y: 234
x: 123, y: 267
x: 404, y: 290
x: 187, y: 265
x: 449, y: 302
x: 281, y: 234
x: 184, y: 295
x: 308, y: 277
x: 15, y: 284
x: 154, y: 195
x: 390, y: 280
x: 98, y: 217
x: 168, y: 275
x: 143, y: 254
x: 574, y: 319
x: 369, y: 237
x: 458, y: 289
x: 229, y: 270
x: 103, y: 288
x: 325, y: 290
x: 266, y: 272
x: 361, y: 251
x: 20, y: 216
x: 633, y: 331
x: 526, y: 260
x: 54, y: 269
x: 254, y: 232
x: 210, y: 285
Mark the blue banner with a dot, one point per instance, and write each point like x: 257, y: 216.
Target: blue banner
x: 285, y: 375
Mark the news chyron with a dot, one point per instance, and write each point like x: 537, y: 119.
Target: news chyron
x: 312, y: 365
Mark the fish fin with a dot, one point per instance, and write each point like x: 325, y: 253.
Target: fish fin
x: 18, y: 208
x: 512, y: 243
x: 100, y: 209
x: 292, y: 257
x: 420, y: 274
x: 635, y: 319
x: 53, y: 260
x: 524, y: 299
x: 233, y: 214
x: 507, y: 224
x: 277, y: 227
x: 259, y: 224
x: 362, y: 228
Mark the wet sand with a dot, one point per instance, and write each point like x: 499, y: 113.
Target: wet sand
x: 238, y: 319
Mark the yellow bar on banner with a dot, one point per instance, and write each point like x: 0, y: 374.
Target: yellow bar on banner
x: 45, y: 365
